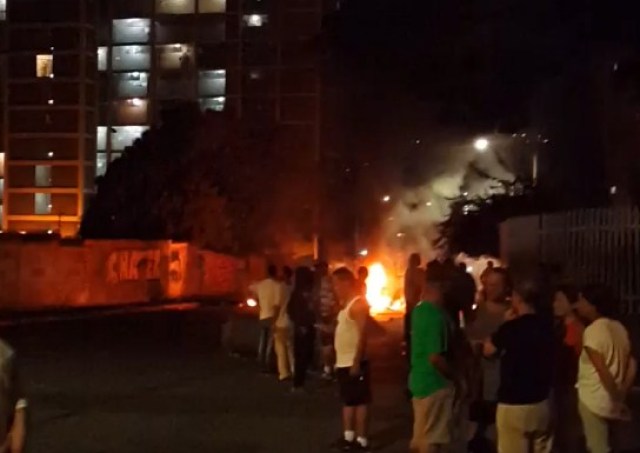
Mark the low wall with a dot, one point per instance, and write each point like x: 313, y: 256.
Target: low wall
x: 60, y: 274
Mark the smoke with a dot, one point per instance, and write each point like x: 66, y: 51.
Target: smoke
x: 451, y: 170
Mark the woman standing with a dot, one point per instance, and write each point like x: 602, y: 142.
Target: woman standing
x: 525, y: 345
x: 569, y: 330
x: 301, y: 313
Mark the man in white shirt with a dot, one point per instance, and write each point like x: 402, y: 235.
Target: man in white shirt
x: 269, y: 293
x: 606, y: 368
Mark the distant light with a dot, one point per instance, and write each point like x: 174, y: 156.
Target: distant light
x: 363, y: 252
x: 23, y: 232
x: 523, y: 135
x: 390, y: 219
x: 50, y: 206
x: 51, y: 76
x: 417, y: 141
x: 136, y: 102
x: 469, y: 269
x: 255, y: 20
x: 615, y: 66
x: 613, y: 190
x: 399, y: 235
x: 428, y: 203
x: 50, y: 101
x: 514, y: 135
x: 252, y: 303
x: 474, y: 307
x: 50, y: 154
x: 546, y: 140
x: 481, y: 144
x: 386, y: 199
x: 52, y: 48
x: 466, y: 194
x: 49, y: 231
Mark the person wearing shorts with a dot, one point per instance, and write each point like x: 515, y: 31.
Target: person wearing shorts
x: 431, y: 389
x: 352, y: 369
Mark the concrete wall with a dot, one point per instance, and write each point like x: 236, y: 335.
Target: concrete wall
x: 36, y: 275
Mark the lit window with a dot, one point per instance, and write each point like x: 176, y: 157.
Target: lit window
x: 44, y: 65
x: 613, y: 190
x: 101, y: 138
x: 3, y: 9
x: 50, y: 154
x: 123, y: 136
x: 1, y: 165
x: 42, y: 203
x: 216, y: 104
x: 176, y: 6
x: 255, y: 20
x: 102, y: 58
x: 212, y: 83
x: 43, y: 175
x: 101, y: 164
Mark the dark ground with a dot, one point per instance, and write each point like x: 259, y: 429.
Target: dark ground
x: 160, y: 382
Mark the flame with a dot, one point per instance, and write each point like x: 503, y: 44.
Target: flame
x: 379, y: 293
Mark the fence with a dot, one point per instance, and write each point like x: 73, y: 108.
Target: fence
x: 591, y: 245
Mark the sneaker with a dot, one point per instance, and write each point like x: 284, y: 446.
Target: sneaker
x: 361, y: 448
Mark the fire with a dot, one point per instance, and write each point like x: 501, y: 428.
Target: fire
x: 379, y: 291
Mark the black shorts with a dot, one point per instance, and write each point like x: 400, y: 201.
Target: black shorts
x: 354, y: 390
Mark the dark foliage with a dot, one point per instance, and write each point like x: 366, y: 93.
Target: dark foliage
x: 192, y: 178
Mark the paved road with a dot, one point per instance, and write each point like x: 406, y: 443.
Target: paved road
x: 159, y: 382
x: 156, y: 383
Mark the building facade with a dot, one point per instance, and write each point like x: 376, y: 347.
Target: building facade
x: 82, y: 79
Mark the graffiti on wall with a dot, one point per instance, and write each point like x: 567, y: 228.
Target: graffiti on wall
x: 131, y: 265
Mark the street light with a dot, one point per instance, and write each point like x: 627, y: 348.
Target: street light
x: 386, y: 199
x: 481, y: 144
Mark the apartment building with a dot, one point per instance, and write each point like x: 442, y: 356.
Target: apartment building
x: 82, y: 79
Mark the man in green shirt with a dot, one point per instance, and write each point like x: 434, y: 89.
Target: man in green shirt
x: 431, y: 388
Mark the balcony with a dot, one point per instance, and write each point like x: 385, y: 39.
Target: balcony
x: 175, y: 6
x: 212, y: 83
x: 123, y: 136
x: 130, y: 84
x: 176, y: 57
x: 176, y: 88
x: 131, y: 31
x: 131, y: 58
x: 131, y: 111
x: 211, y: 6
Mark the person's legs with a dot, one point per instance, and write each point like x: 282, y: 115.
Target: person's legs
x: 289, y: 345
x: 538, y: 427
x: 362, y: 422
x: 262, y: 343
x: 511, y: 426
x: 433, y: 422
x: 300, y: 358
x: 596, y: 431
x: 282, y: 355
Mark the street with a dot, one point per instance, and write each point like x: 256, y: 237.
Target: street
x: 161, y: 382
x: 140, y: 383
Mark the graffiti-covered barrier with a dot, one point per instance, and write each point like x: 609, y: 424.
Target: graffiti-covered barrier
x: 37, y: 275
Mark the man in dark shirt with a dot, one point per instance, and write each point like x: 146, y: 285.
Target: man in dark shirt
x: 525, y: 345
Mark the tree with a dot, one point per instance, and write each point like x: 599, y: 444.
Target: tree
x: 195, y: 177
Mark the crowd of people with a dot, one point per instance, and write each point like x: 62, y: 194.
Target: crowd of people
x: 538, y: 366
x: 509, y: 365
x: 518, y: 366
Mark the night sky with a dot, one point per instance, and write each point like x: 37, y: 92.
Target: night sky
x: 422, y: 69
